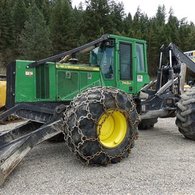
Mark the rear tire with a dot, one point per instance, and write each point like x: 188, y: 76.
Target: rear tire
x: 147, y: 123
x: 101, y: 125
x: 186, y: 114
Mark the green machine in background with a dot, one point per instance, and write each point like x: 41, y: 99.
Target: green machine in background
x: 94, y: 107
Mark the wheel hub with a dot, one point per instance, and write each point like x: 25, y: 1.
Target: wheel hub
x: 112, y: 128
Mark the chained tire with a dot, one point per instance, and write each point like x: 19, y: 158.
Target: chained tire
x: 101, y: 125
x: 147, y: 123
x: 185, y: 118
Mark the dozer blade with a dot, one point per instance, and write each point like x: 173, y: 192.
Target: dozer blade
x: 16, y: 143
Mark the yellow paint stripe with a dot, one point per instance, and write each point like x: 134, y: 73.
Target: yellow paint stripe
x: 74, y: 67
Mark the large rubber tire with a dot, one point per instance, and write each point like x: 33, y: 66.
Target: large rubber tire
x: 147, y: 123
x: 82, y: 123
x: 186, y: 114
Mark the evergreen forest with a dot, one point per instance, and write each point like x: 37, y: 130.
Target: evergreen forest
x: 34, y: 29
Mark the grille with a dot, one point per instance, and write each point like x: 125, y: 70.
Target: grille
x: 42, y: 82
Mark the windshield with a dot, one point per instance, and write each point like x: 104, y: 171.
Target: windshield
x: 104, y: 57
x: 94, y: 57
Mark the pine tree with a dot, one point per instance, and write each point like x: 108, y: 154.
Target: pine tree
x: 189, y: 38
x: 76, y: 26
x: 172, y: 28
x: 139, y: 26
x: 35, y: 43
x: 61, y: 26
x: 97, y: 19
x: 45, y: 7
x: 6, y: 33
x: 161, y: 15
x: 184, y: 34
x: 156, y: 37
x: 6, y: 26
x: 19, y: 15
x: 128, y: 24
x: 117, y: 16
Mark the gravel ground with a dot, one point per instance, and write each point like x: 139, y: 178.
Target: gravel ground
x: 162, y: 162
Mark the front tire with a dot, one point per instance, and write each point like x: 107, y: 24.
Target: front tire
x: 101, y: 125
x: 186, y: 114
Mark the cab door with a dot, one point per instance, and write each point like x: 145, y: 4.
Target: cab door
x: 125, y: 66
x: 141, y: 71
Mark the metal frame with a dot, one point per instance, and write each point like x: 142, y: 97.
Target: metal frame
x: 71, y: 52
x: 15, y: 144
x: 182, y: 57
x: 162, y: 101
x: 44, y: 123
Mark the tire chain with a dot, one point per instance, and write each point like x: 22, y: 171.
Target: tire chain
x: 84, y: 99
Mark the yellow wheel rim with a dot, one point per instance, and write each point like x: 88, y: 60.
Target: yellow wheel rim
x: 112, y: 128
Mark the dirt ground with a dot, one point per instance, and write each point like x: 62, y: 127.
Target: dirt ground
x: 162, y: 162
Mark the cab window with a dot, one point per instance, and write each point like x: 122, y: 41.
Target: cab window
x: 94, y: 57
x: 140, y: 57
x: 107, y: 62
x: 125, y: 61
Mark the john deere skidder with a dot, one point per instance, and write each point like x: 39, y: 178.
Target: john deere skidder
x: 94, y: 105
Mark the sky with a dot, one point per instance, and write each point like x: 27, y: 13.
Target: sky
x: 181, y: 8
